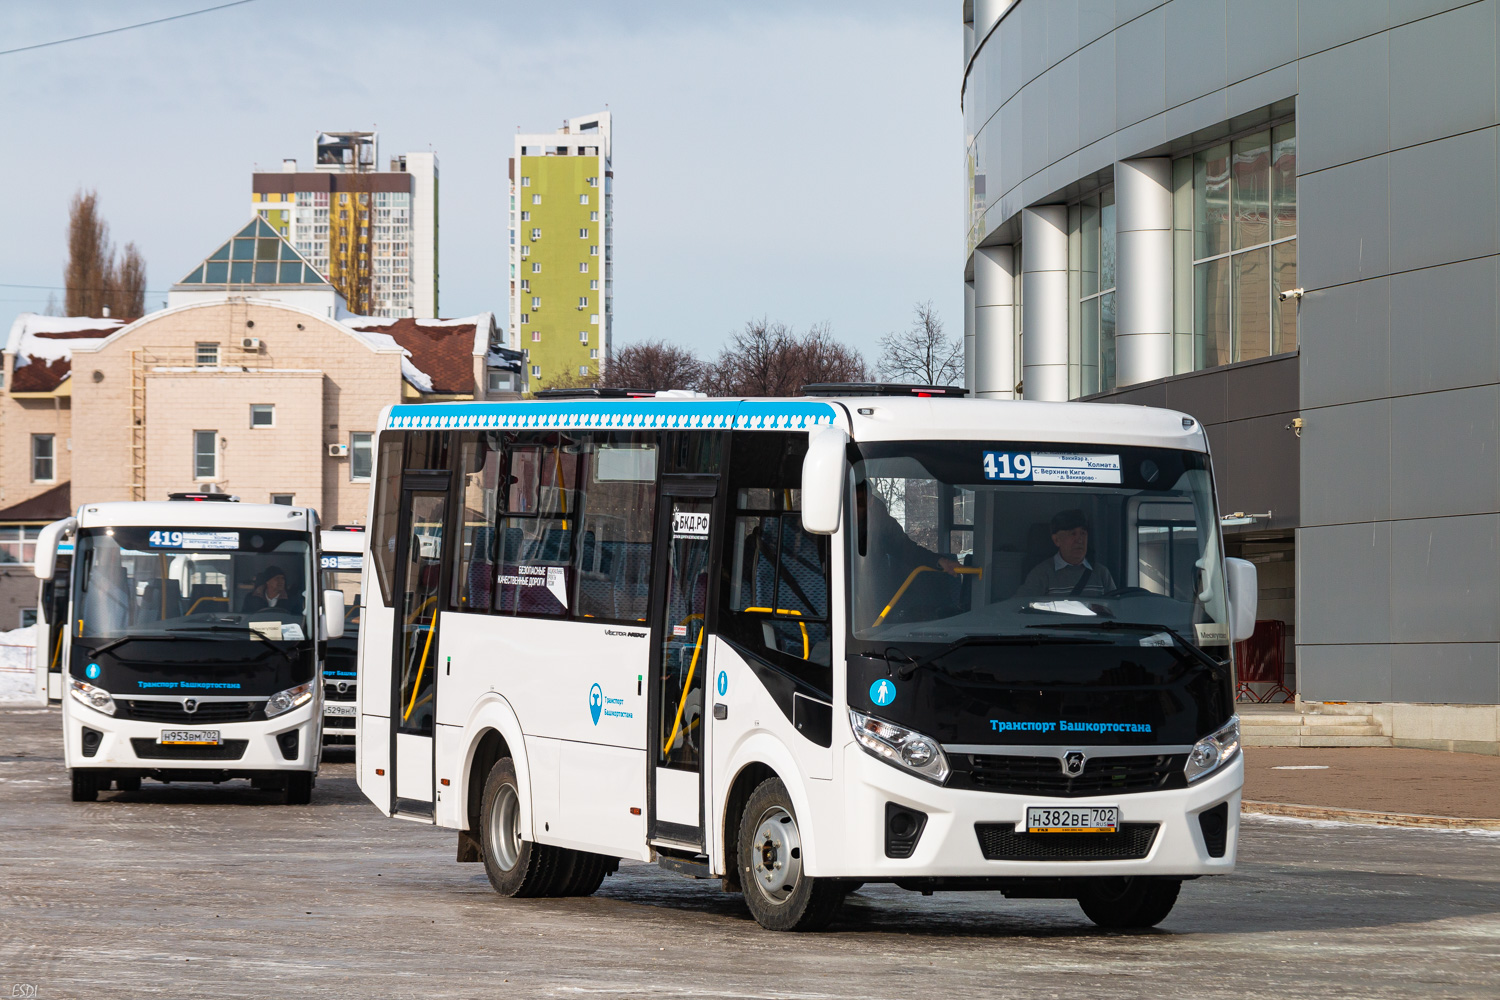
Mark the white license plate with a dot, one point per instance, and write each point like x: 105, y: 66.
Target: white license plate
x: 334, y: 708
x: 194, y: 737
x: 1072, y: 819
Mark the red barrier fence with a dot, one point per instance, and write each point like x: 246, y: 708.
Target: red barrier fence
x: 1262, y: 660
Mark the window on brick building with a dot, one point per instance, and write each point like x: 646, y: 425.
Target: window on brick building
x: 205, y: 454
x: 43, y: 458
x: 361, y: 456
x: 262, y: 414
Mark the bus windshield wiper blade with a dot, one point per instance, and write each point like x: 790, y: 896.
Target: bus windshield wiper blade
x: 1111, y: 625
x: 98, y: 650
x: 910, y: 667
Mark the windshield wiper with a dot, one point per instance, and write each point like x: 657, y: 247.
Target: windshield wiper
x: 1111, y: 625
x: 910, y: 667
x: 97, y: 650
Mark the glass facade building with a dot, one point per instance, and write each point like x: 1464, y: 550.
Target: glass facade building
x: 1282, y: 218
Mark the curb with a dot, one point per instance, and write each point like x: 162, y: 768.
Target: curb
x: 1369, y: 818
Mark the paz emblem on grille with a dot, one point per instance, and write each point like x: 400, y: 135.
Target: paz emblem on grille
x: 190, y: 705
x: 343, y: 687
x: 1072, y: 763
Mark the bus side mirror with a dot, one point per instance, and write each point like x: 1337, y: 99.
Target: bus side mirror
x: 1243, y: 596
x: 823, y: 480
x: 45, y: 561
x: 333, y: 613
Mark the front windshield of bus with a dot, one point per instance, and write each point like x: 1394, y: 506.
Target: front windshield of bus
x: 956, y: 539
x: 166, y: 582
x: 341, y: 571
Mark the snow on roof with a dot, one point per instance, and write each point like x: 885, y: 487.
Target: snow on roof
x: 439, y: 352
x: 52, y: 338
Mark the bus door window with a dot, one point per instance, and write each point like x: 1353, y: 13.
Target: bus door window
x: 1167, y: 549
x: 683, y: 654
x: 422, y: 575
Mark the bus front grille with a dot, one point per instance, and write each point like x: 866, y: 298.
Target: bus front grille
x: 1001, y: 842
x: 1044, y: 775
x: 207, y: 711
x: 148, y: 749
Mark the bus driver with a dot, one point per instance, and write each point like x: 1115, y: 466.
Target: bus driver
x: 1069, y: 571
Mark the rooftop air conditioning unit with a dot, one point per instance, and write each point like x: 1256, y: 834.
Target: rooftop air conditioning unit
x: 338, y: 451
x: 251, y: 343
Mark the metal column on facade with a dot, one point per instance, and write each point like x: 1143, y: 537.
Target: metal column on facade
x: 994, y: 323
x: 1044, y: 286
x: 1143, y: 332
x: 969, y: 335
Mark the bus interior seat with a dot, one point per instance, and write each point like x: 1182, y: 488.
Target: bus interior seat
x: 159, y: 602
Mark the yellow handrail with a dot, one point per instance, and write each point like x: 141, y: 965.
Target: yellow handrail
x: 687, y: 686
x: 205, y: 598
x: 965, y: 570
x: 56, y: 652
x: 417, y: 684
x: 806, y: 648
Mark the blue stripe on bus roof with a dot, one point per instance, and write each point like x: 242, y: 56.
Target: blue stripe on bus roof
x: 638, y: 414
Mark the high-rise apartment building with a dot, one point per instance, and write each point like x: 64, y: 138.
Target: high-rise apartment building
x: 562, y: 251
x: 373, y: 234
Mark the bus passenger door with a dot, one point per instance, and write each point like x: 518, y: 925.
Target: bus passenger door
x: 686, y: 529
x: 419, y: 586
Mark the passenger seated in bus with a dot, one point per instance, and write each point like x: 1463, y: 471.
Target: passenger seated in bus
x: 1068, y: 572
x: 270, y: 593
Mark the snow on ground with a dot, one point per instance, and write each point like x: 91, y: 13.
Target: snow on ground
x: 17, y: 678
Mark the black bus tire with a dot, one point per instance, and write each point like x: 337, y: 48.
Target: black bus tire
x: 516, y: 867
x: 1129, y: 903
x: 299, y: 786
x: 128, y: 782
x: 85, y: 785
x: 779, y: 894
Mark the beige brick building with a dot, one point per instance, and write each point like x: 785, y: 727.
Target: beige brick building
x: 262, y: 390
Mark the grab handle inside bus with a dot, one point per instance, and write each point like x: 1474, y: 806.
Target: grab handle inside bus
x: 823, y: 472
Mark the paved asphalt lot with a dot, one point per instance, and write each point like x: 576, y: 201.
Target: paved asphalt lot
x: 197, y: 891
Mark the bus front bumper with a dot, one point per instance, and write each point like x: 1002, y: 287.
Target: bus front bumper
x: 287, y: 742
x: 963, y: 826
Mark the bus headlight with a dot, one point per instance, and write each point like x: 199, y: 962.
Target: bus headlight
x: 905, y: 748
x: 1214, y: 750
x: 285, y: 701
x: 94, y: 697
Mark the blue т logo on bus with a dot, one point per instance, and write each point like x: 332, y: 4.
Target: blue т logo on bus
x: 723, y: 683
x: 882, y: 692
x: 91, y: 671
x: 596, y: 702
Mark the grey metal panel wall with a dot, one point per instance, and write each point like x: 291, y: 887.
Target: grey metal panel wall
x: 1398, y: 122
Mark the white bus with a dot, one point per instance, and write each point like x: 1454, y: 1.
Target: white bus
x: 342, y: 562
x: 192, y: 646
x: 804, y: 644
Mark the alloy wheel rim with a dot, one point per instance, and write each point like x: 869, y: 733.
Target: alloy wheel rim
x: 776, y: 855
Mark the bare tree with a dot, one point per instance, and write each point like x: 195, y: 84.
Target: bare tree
x: 90, y: 257
x: 768, y: 358
x: 654, y: 364
x: 94, y: 280
x: 922, y: 352
x: 129, y: 291
x: 52, y: 307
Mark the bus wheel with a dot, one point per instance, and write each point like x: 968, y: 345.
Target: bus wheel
x: 1125, y: 903
x: 585, y: 875
x: 781, y: 897
x: 128, y: 782
x: 516, y: 867
x: 85, y: 785
x: 299, y: 786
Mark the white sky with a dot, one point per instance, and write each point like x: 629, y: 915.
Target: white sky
x: 800, y: 161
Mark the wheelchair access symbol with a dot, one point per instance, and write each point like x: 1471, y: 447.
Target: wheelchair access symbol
x: 596, y: 702
x: 882, y: 692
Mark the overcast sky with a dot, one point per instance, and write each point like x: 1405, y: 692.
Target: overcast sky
x: 799, y: 161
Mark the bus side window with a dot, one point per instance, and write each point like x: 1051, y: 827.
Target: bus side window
x: 536, y: 545
x: 619, y: 509
x: 481, y: 464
